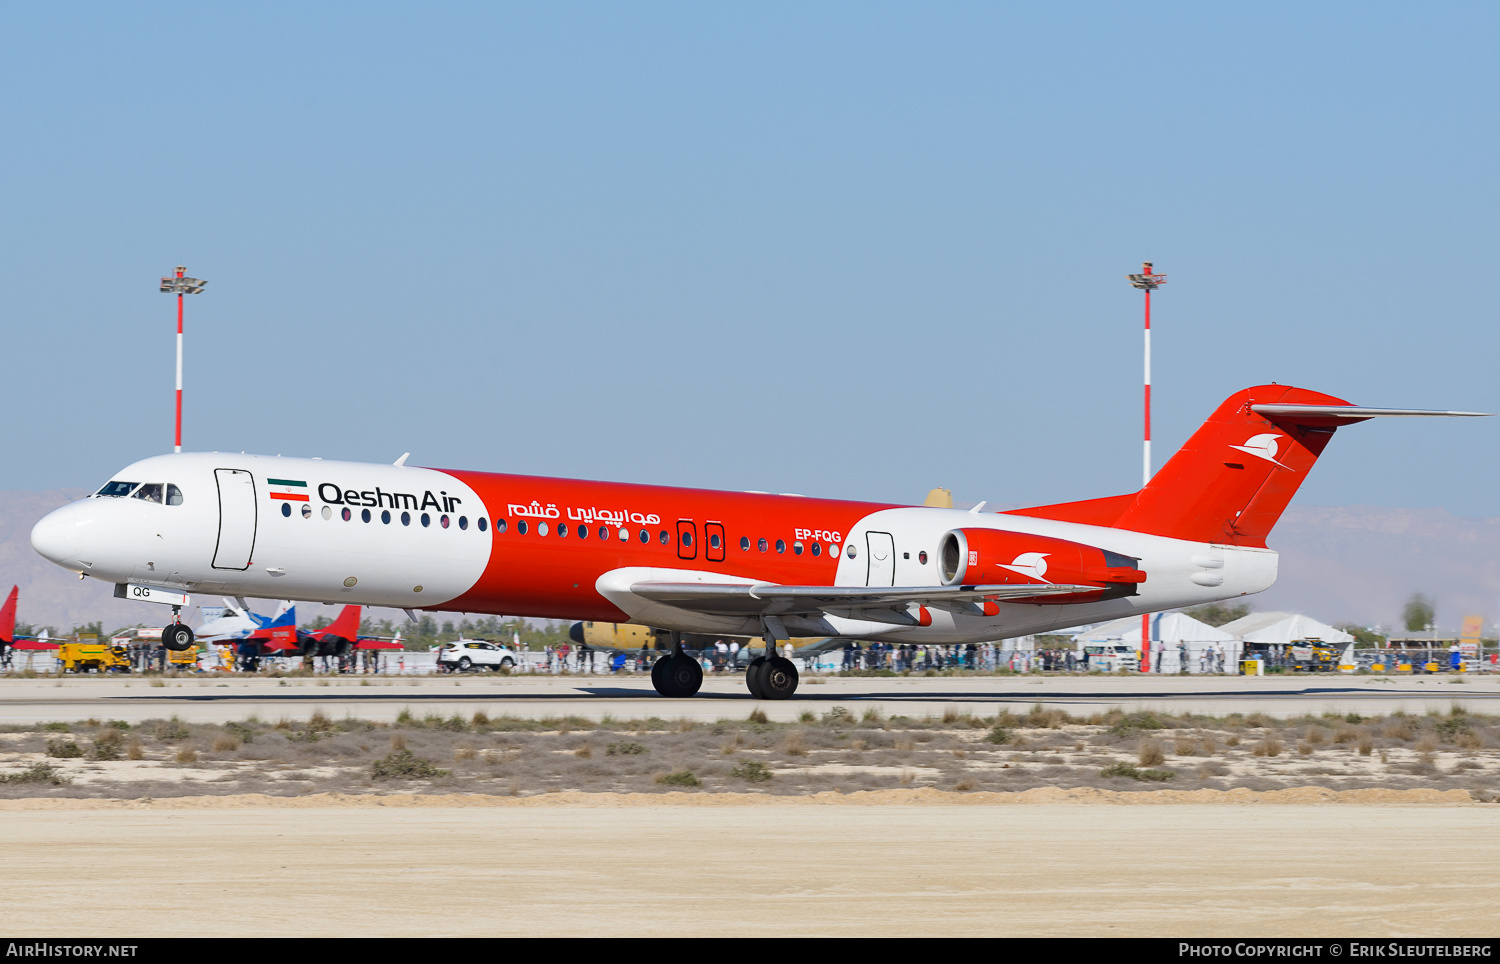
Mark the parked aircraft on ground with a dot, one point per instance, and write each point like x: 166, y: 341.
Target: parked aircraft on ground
x: 699, y: 561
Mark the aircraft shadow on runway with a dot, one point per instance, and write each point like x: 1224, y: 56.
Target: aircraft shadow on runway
x: 997, y: 696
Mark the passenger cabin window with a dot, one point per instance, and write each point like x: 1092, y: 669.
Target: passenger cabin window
x: 150, y: 492
x: 116, y: 490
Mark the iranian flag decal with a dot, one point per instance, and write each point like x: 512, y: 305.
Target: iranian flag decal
x: 288, y: 490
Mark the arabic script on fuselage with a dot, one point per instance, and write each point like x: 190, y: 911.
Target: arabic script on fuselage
x: 614, y: 517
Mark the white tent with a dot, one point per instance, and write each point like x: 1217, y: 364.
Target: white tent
x: 1175, y: 637
x: 1283, y: 628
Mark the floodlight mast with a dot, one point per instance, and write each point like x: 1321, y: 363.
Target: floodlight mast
x: 179, y: 285
x: 1147, y: 282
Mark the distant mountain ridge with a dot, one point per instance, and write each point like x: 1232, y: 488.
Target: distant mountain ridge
x: 1338, y: 563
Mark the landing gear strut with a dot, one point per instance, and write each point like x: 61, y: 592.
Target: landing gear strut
x: 771, y: 676
x: 677, y: 674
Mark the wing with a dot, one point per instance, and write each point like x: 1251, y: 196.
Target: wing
x: 855, y: 602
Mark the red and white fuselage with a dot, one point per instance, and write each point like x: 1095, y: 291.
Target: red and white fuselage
x: 417, y: 538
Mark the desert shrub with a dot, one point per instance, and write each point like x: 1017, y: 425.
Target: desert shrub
x: 64, y: 749
x: 1453, y: 727
x: 1135, y: 721
x: 1399, y: 729
x: 997, y: 735
x: 838, y: 715
x: 1150, y: 753
x: 679, y: 778
x: 758, y: 715
x: 37, y: 773
x: 751, y: 771
x: 107, y: 745
x: 1135, y: 773
x: 625, y: 749
x: 793, y: 745
x: 405, y: 765
x: 173, y: 729
x: 585, y: 752
x: 1270, y: 746
x: 186, y: 754
x: 1315, y: 735
x: 240, y: 732
x: 966, y: 785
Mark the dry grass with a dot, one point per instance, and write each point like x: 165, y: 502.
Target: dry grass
x: 1269, y: 746
x: 1150, y: 753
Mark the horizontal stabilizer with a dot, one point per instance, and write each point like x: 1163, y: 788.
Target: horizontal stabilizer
x: 1348, y: 414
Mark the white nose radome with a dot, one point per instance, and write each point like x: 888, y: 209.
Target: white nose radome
x: 56, y: 537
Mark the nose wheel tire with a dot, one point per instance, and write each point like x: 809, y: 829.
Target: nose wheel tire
x: 677, y: 676
x: 177, y: 637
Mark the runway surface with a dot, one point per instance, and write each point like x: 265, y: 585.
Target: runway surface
x: 836, y: 870
x: 216, y: 699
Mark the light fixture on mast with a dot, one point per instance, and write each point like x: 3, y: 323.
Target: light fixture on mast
x: 180, y: 285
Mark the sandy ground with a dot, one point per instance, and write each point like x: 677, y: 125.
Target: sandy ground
x: 790, y: 869
x: 220, y: 699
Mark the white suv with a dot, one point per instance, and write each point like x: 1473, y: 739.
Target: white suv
x: 466, y: 654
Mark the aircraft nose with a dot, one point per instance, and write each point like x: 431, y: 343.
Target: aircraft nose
x: 56, y: 537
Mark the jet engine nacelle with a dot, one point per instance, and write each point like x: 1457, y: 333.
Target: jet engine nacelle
x: 971, y: 557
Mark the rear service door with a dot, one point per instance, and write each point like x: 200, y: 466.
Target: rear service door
x: 236, y: 519
x: 687, y: 539
x: 713, y: 547
x: 882, y: 559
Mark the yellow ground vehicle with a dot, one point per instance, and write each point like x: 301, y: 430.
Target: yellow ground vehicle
x: 90, y: 654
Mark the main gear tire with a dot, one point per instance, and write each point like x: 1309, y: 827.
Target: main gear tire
x: 683, y: 676
x: 659, y: 674
x: 753, y: 674
x: 778, y: 679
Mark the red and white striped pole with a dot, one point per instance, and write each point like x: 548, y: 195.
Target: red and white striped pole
x: 180, y: 285
x: 177, y: 438
x: 1147, y: 282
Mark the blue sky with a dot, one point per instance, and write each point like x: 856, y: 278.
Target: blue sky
x: 849, y: 250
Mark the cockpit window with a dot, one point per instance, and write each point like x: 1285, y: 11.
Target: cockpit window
x: 116, y: 490
x: 174, y: 495
x: 149, y: 492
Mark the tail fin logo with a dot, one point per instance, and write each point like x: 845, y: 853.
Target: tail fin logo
x: 1030, y: 564
x: 1262, y: 447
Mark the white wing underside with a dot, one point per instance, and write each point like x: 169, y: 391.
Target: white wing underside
x: 883, y: 604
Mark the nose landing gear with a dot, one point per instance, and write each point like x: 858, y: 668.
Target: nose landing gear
x: 177, y: 637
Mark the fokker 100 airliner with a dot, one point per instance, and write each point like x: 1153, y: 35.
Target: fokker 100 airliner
x: 698, y: 561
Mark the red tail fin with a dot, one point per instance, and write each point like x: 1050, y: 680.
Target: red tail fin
x: 346, y: 626
x: 8, y: 617
x: 1233, y: 478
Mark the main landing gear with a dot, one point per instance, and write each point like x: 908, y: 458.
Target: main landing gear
x: 676, y: 674
x: 771, y: 676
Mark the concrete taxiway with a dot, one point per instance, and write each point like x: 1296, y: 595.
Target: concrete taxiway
x: 220, y: 699
x: 834, y: 870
